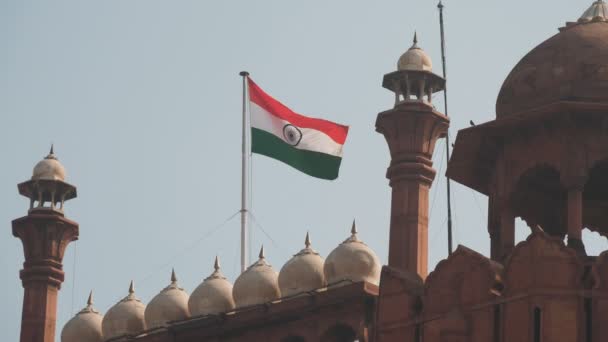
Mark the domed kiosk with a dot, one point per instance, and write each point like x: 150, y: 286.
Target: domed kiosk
x: 303, y: 272
x: 415, y: 59
x: 570, y: 66
x: 213, y: 295
x: 257, y: 285
x: 552, y: 105
x: 125, y: 318
x: 171, y: 304
x: 85, y: 326
x: 352, y: 261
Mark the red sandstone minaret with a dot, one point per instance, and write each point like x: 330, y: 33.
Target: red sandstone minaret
x: 411, y: 129
x: 45, y: 234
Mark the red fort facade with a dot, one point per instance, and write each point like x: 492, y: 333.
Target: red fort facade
x: 544, y: 159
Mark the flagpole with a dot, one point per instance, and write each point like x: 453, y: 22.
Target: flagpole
x: 447, y: 136
x: 245, y: 155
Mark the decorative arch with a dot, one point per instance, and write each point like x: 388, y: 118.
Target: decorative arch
x: 540, y: 199
x: 339, y: 333
x: 464, y: 278
x: 542, y: 261
x: 595, y: 198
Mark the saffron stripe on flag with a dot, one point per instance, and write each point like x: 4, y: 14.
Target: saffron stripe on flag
x: 335, y: 131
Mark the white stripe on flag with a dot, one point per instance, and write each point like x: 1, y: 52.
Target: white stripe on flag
x: 312, y: 139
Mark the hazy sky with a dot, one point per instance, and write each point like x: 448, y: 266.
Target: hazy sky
x: 142, y: 100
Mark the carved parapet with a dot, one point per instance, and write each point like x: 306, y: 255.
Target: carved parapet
x: 463, y: 280
x: 399, y: 304
x: 542, y: 262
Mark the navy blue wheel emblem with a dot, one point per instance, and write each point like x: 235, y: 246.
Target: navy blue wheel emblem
x: 292, y: 134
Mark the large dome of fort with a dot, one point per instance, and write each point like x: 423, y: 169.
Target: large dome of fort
x: 570, y: 66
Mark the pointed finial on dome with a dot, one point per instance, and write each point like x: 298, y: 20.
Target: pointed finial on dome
x: 261, y: 256
x: 51, y: 154
x: 307, y: 241
x: 173, y: 276
x: 90, y: 300
x: 353, y: 230
x: 131, y: 288
x: 89, y: 308
x: 216, y: 264
x: 415, y: 38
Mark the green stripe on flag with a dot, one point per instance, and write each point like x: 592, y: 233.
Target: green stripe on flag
x: 312, y: 163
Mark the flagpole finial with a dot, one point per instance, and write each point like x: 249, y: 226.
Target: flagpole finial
x: 307, y: 241
x: 244, y: 73
x: 261, y: 256
x: 216, y: 264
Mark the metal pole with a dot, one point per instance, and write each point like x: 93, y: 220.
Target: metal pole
x: 447, y: 138
x: 245, y: 155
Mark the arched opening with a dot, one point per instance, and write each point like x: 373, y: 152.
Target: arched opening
x: 595, y: 199
x: 522, y: 231
x: 339, y: 333
x: 292, y: 338
x: 540, y: 200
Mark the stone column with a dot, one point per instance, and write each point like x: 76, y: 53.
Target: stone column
x: 45, y: 235
x: 507, y: 233
x: 575, y: 219
x: 575, y: 213
x: 411, y: 130
x: 494, y: 229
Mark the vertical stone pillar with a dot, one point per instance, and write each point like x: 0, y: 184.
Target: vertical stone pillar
x: 45, y: 236
x: 574, y: 182
x: 507, y: 232
x: 494, y: 229
x: 411, y: 130
x: 575, y: 219
x: 575, y: 213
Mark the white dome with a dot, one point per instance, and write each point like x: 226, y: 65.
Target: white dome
x: 303, y: 272
x: 415, y: 59
x: 85, y: 326
x: 171, y: 304
x: 258, y: 284
x: 213, y: 295
x: 352, y: 260
x: 124, y: 318
x: 49, y: 168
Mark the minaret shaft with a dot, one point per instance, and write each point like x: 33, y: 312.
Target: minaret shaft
x: 45, y: 236
x: 411, y: 130
x: 409, y: 227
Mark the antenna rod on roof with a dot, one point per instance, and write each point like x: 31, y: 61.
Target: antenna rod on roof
x: 447, y: 137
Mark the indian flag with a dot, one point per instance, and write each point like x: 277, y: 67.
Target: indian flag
x: 313, y: 146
